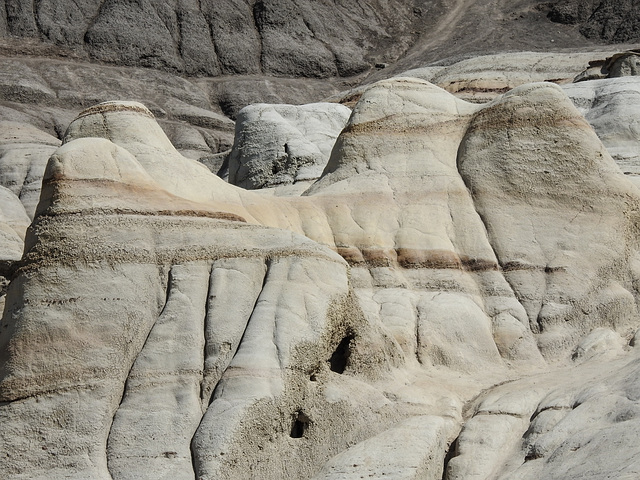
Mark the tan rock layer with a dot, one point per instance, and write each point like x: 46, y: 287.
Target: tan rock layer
x: 471, y: 253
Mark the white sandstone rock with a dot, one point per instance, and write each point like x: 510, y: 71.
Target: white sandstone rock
x: 518, y: 198
x: 612, y: 107
x: 450, y: 252
x: 284, y: 144
x: 24, y: 151
x: 481, y: 78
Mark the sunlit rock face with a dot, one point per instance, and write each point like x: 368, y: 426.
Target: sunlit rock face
x: 612, y: 107
x: 284, y: 144
x: 456, y: 295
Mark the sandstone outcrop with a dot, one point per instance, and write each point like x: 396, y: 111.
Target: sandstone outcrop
x: 13, y: 225
x: 481, y: 78
x: 165, y: 324
x: 284, y: 144
x: 455, y: 298
x: 612, y: 106
x: 24, y: 152
x: 622, y: 64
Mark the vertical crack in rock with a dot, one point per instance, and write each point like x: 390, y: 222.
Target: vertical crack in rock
x: 124, y: 389
x: 92, y: 22
x: 450, y: 453
x: 36, y: 17
x: 207, y: 310
x: 179, y: 32
x: 417, y: 333
x: 214, y: 43
x: 162, y: 395
x: 6, y: 13
x: 227, y: 325
x: 234, y: 289
x: 272, y: 288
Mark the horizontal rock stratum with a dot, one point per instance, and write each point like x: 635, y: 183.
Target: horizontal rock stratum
x: 455, y: 297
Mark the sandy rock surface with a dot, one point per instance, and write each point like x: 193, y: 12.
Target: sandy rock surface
x: 611, y: 107
x: 284, y: 144
x: 480, y: 79
x: 460, y: 272
x: 456, y: 296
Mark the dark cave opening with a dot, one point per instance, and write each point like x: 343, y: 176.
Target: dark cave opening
x: 340, y: 357
x: 300, y: 424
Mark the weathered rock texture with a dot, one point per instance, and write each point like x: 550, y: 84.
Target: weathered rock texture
x: 284, y: 144
x: 621, y: 64
x: 600, y: 19
x: 612, y: 107
x: 305, y: 38
x: 480, y: 79
x: 166, y: 324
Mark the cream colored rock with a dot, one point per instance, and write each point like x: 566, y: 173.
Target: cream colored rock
x: 24, y: 151
x: 161, y: 400
x: 621, y: 64
x: 12, y: 214
x: 443, y: 270
x: 571, y: 426
x: 559, y: 261
x: 284, y: 144
x: 601, y: 341
x: 386, y: 455
x: 611, y: 107
x: 13, y: 226
x: 481, y: 78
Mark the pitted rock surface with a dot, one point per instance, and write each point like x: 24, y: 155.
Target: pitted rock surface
x: 448, y: 247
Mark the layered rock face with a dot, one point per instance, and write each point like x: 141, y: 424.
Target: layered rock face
x: 309, y: 39
x: 166, y: 324
x: 481, y: 78
x: 316, y: 39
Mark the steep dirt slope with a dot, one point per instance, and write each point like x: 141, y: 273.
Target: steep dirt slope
x: 304, y: 38
x: 281, y: 37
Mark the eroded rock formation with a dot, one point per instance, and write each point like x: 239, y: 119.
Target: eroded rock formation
x: 284, y: 144
x: 604, y: 19
x: 166, y: 324
x: 310, y: 39
x: 611, y: 106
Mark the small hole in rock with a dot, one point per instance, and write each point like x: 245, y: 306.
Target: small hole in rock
x: 340, y: 357
x: 299, y: 425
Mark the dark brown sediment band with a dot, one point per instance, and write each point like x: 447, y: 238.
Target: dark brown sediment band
x: 108, y: 107
x: 411, y: 258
